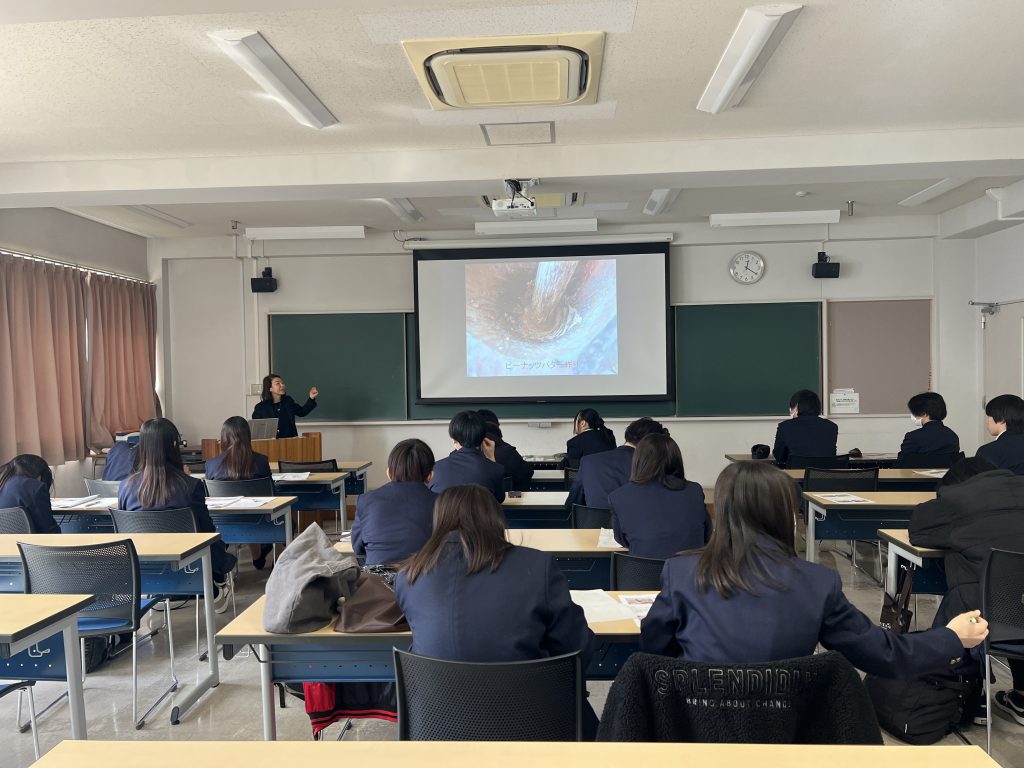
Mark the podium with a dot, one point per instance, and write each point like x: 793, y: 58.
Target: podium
x: 305, y: 447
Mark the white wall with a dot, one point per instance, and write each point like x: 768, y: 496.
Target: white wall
x: 1000, y: 278
x: 881, y: 259
x: 999, y: 267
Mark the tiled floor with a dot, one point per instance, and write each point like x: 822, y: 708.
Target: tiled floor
x: 232, y: 710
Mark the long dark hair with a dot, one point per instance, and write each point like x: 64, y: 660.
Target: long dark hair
x: 657, y: 457
x: 236, y: 444
x: 595, y: 422
x: 472, y: 512
x: 755, y: 508
x: 160, y: 471
x: 267, y: 381
x: 27, y: 465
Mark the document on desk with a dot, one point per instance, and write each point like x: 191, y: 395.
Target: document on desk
x: 937, y: 473
x: 607, y: 539
x: 103, y: 503
x: 843, y: 498
x: 639, y: 604
x: 220, y: 502
x: 285, y: 477
x: 599, y: 606
x: 69, y: 503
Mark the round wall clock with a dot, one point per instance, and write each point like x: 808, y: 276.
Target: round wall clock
x: 747, y: 267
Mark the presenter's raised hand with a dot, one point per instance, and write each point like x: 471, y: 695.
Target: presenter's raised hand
x: 313, y: 393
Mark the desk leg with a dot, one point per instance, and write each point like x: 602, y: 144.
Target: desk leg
x: 267, y: 693
x: 76, y: 696
x: 890, y: 572
x: 342, y: 511
x: 811, y: 551
x: 288, y: 530
x: 212, y: 680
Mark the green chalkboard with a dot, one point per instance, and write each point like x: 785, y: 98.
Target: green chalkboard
x: 745, y: 359
x: 356, y: 360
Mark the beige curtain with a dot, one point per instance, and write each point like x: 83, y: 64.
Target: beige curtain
x: 122, y: 353
x: 42, y: 360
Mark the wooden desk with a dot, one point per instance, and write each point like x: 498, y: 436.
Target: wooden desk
x: 568, y: 542
x: 305, y: 447
x: 469, y: 754
x: 328, y: 656
x: 890, y: 479
x: 176, y: 550
x: 829, y: 520
x: 873, y: 459
x: 28, y: 619
x: 537, y: 509
x: 933, y: 581
x: 549, y: 461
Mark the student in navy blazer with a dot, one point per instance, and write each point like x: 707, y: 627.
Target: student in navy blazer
x: 1004, y: 418
x: 161, y: 483
x: 601, y: 473
x: 472, y: 461
x: 805, y: 433
x: 470, y: 595
x: 748, y: 598
x: 659, y: 513
x: 590, y: 436
x: 927, y: 410
x: 276, y: 404
x: 120, y: 461
x: 394, y: 521
x: 511, y: 460
x: 25, y: 481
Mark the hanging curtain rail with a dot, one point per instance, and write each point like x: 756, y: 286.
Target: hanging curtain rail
x: 69, y: 265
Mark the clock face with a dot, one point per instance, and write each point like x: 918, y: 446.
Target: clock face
x: 747, y: 267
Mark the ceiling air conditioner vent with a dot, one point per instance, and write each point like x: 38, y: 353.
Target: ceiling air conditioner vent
x: 535, y: 70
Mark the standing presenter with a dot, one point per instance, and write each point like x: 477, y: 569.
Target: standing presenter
x: 276, y: 404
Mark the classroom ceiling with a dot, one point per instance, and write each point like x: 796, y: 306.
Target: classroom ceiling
x: 873, y: 99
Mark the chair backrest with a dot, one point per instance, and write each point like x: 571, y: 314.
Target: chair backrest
x: 630, y: 572
x: 261, y: 486
x: 840, y: 479
x: 818, y: 462
x: 108, y: 571
x: 327, y: 465
x: 570, y: 475
x: 196, y: 467
x: 1002, y: 595
x: 590, y: 517
x: 154, y: 521
x: 927, y: 460
x: 102, y: 488
x: 537, y: 700
x: 508, y: 483
x: 15, y: 520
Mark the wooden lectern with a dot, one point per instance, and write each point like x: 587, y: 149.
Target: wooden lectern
x: 305, y: 447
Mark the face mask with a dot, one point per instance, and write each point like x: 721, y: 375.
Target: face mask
x: 915, y: 421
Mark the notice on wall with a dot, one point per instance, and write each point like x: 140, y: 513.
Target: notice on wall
x: 844, y: 401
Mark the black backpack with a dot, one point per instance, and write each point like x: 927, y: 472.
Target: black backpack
x: 923, y: 710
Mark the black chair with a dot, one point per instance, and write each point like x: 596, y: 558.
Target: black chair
x: 102, y: 488
x: 327, y: 465
x: 261, y: 486
x: 539, y: 700
x: 196, y: 467
x: 818, y: 462
x: 570, y: 475
x: 629, y: 572
x: 590, y: 517
x: 508, y: 483
x: 927, y: 460
x: 1002, y: 605
x: 15, y: 520
x: 846, y: 481
x: 110, y: 572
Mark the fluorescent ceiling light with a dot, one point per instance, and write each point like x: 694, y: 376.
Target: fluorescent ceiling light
x: 539, y: 226
x: 773, y: 218
x: 251, y: 51
x: 404, y: 209
x: 159, y: 215
x: 930, y: 193
x: 443, y: 245
x: 660, y: 201
x: 304, y: 233
x: 758, y: 34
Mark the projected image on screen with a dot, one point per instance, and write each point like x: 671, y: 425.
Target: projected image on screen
x: 541, y: 318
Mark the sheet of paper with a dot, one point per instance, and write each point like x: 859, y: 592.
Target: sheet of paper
x: 251, y: 502
x: 76, y: 502
x: 104, y: 503
x: 639, y: 604
x: 284, y: 477
x: 931, y: 472
x: 607, y: 539
x: 844, y: 498
x: 219, y: 502
x: 598, y: 605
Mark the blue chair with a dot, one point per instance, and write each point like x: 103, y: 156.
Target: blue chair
x: 110, y: 572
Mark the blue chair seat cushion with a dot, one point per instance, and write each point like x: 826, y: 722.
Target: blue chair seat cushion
x: 101, y: 625
x: 147, y: 603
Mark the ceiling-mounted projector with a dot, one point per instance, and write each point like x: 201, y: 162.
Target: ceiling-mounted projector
x: 516, y: 207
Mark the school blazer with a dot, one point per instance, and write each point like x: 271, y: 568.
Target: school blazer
x: 285, y: 413
x: 600, y: 474
x: 659, y: 522
x: 967, y: 520
x: 190, y: 493
x: 1006, y: 452
x: 805, y: 436
x: 586, y: 443
x: 514, y: 464
x: 120, y: 461
x: 393, y: 522
x: 468, y: 466
x: 32, y: 496
x: 260, y: 468
x: 810, y: 608
x: 520, y: 611
x: 933, y: 437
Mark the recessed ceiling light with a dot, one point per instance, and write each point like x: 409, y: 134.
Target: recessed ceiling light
x: 660, y: 201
